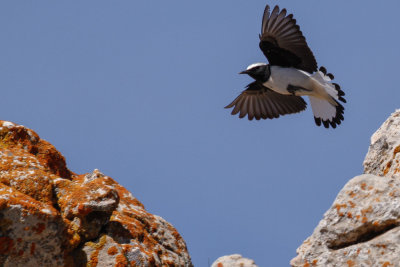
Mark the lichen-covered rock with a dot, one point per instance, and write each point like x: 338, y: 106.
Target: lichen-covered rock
x: 235, y: 260
x: 50, y: 216
x: 360, y: 229
x: 383, y: 157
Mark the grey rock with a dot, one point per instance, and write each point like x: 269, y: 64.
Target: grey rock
x: 234, y: 260
x: 361, y: 228
x: 383, y: 155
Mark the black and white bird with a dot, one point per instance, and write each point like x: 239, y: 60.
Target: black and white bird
x: 292, y: 72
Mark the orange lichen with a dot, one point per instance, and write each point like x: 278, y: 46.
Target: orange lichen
x: 339, y: 206
x: 220, y: 264
x: 112, y: 250
x: 350, y: 263
x: 32, y: 170
x: 363, y: 186
x: 381, y: 246
x: 352, y: 194
x: 367, y: 210
x: 387, y: 168
x: 386, y: 264
x: 349, y: 215
x: 314, y: 263
x: 396, y: 150
x: 364, y: 219
x: 121, y: 261
x: 306, y: 264
x: 375, y: 223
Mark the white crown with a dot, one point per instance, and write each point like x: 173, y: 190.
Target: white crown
x: 255, y: 65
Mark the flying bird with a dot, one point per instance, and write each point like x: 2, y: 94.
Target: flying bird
x: 292, y: 72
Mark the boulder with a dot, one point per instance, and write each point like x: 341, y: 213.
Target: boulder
x: 234, y: 260
x: 50, y: 216
x: 361, y: 228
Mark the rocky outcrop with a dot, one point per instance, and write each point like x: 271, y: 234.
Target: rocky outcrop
x: 50, y: 216
x: 361, y: 228
x: 234, y: 260
x: 384, y: 152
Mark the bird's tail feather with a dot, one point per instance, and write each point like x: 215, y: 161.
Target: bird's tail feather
x: 327, y: 111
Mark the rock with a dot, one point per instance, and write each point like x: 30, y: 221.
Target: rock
x: 362, y: 226
x: 384, y: 152
x: 360, y: 229
x: 50, y: 216
x: 234, y: 260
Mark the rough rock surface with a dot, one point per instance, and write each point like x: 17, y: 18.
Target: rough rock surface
x: 50, y: 216
x: 384, y: 152
x: 234, y: 260
x: 362, y: 226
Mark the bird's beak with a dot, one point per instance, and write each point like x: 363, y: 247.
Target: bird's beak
x: 244, y: 72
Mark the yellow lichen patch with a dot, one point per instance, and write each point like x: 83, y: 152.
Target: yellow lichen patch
x: 94, y: 259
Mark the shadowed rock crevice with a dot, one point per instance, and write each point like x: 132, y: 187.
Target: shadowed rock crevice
x: 367, y: 232
x: 117, y: 232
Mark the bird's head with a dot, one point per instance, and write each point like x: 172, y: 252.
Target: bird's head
x: 258, y: 71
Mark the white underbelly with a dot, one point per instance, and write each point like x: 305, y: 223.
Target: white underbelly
x: 281, y: 77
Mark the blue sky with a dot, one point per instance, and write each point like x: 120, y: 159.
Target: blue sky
x: 137, y: 90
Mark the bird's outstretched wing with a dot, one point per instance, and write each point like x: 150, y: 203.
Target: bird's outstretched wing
x: 260, y: 102
x: 283, y: 43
